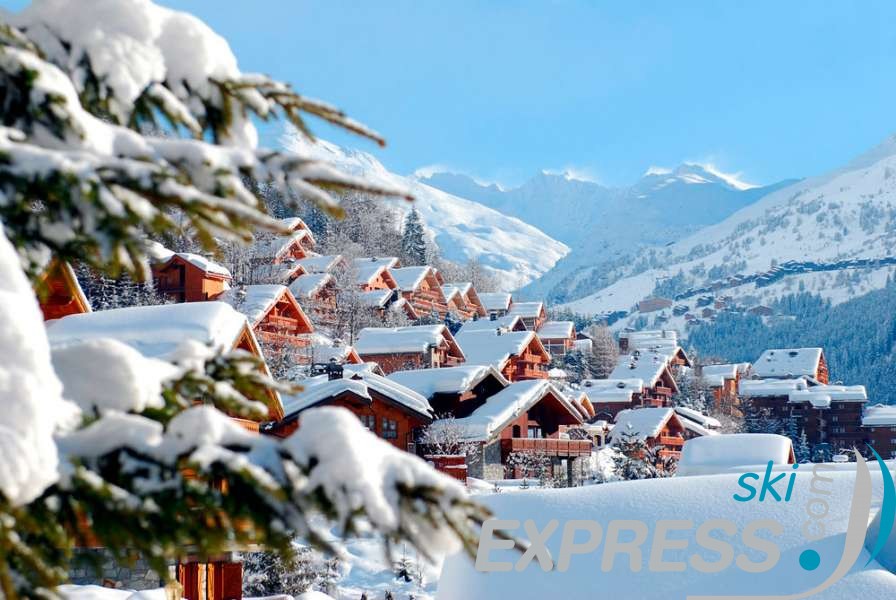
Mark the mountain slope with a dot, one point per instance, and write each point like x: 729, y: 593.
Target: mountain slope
x: 834, y: 234
x: 605, y: 226
x: 514, y: 251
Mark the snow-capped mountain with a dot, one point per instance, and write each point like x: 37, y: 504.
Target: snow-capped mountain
x: 514, y: 251
x: 834, y: 235
x: 605, y: 226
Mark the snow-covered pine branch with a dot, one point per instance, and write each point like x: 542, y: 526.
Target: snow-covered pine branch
x: 97, y: 439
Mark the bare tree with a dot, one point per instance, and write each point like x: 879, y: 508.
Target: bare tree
x: 604, y: 351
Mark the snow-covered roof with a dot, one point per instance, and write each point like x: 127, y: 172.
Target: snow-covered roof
x: 733, y: 451
x: 642, y: 423
x: 821, y: 396
x: 280, y: 272
x: 409, y: 279
x: 505, y: 323
x: 612, y: 390
x: 389, y: 262
x: 647, y: 365
x: 154, y: 331
x: 650, y: 338
x: 415, y: 338
x: 461, y: 287
x: 495, y: 301
x: 206, y: 265
x: 500, y: 409
x: 557, y: 373
x: 376, y: 298
x: 770, y: 387
x: 320, y: 263
x: 274, y: 247
x: 788, y: 362
x: 697, y: 417
x: 487, y: 348
x: 554, y: 330
x: 294, y: 223
x: 880, y: 415
x: 326, y: 353
x: 527, y: 310
x: 448, y: 380
x: 450, y: 291
x: 367, y: 272
x: 254, y: 301
x: 308, y: 285
x: 715, y: 375
x: 360, y: 382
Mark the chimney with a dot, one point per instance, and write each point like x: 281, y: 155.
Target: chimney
x: 334, y: 370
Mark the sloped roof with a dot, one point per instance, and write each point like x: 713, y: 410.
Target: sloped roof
x: 306, y: 286
x: 647, y: 365
x: 495, y: 300
x: 500, y: 409
x: 487, y: 348
x: 527, y: 310
x: 415, y: 338
x: 643, y: 423
x: 821, y: 396
x: 320, y: 263
x: 788, y: 362
x: 368, y: 272
x: 505, y: 323
x: 274, y: 247
x: 448, y: 380
x: 770, y: 387
x: 281, y: 272
x: 155, y: 331
x: 450, y: 291
x: 715, y: 375
x: 360, y: 382
x: 376, y: 298
x: 410, y: 278
x: 880, y: 415
x: 254, y: 301
x: 202, y: 263
x: 612, y: 390
x: 553, y: 330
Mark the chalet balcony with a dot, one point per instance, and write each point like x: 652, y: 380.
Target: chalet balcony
x: 549, y: 446
x: 287, y: 339
x: 671, y: 440
x: 661, y: 390
x: 674, y: 454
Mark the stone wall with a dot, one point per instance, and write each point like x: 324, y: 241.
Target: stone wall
x: 98, y: 567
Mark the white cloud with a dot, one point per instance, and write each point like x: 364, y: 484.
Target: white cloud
x: 733, y: 179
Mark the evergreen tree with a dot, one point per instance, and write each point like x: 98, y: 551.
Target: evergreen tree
x: 634, y: 459
x: 87, y: 178
x: 604, y: 351
x: 803, y: 449
x: 413, y: 240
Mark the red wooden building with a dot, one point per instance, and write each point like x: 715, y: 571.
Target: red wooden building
x: 374, y: 273
x: 463, y: 300
x: 788, y: 363
x: 879, y: 426
x: 533, y: 314
x: 518, y: 355
x: 496, y: 303
x: 422, y: 288
x: 494, y: 324
x: 526, y: 417
x: 455, y: 391
x: 723, y: 380
x: 413, y: 347
x: 611, y: 396
x: 275, y: 316
x: 59, y: 292
x: 558, y: 337
x: 658, y: 428
x: 393, y: 412
x: 186, y: 277
x: 317, y: 293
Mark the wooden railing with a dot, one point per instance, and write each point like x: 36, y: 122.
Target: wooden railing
x: 671, y: 440
x: 662, y: 390
x: 676, y: 454
x: 550, y: 446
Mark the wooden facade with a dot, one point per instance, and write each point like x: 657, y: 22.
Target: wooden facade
x: 59, y: 293
x: 531, y: 363
x: 422, y: 288
x: 183, y: 280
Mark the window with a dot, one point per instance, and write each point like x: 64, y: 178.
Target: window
x: 838, y: 429
x: 892, y: 429
x: 534, y: 431
x: 835, y: 418
x: 369, y: 421
x: 390, y: 429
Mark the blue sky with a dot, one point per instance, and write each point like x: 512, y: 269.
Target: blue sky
x: 501, y: 89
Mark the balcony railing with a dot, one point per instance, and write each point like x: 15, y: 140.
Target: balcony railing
x: 663, y: 390
x: 671, y: 440
x: 676, y: 454
x: 549, y: 446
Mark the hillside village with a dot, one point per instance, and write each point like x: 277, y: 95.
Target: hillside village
x: 484, y: 387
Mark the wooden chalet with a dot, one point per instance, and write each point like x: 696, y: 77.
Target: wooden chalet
x: 317, y: 293
x: 654, y: 371
x: 281, y: 273
x: 558, y: 337
x: 328, y: 354
x: 375, y: 273
x: 316, y: 263
x: 829, y: 414
x: 296, y: 245
x: 59, y: 292
x: 517, y: 355
x: 393, y: 412
x: 788, y: 363
x: 274, y: 314
x: 455, y: 391
x: 533, y: 314
x: 413, y: 347
x: 384, y: 301
x: 422, y: 288
x: 524, y: 417
x: 608, y: 397
x: 723, y: 380
x: 496, y: 303
x: 658, y: 428
x: 186, y: 277
x: 463, y: 300
x: 879, y: 427
x: 495, y: 324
